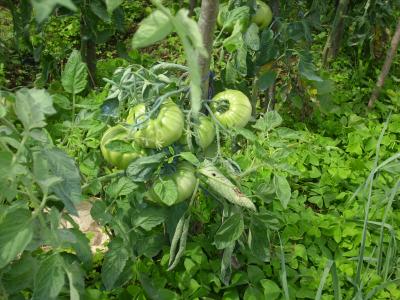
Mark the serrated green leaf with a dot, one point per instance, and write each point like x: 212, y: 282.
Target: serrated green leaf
x: 152, y: 29
x: 49, y: 279
x: 114, y: 263
x: 16, y: 232
x: 74, y: 75
x: 269, y: 121
x: 122, y: 187
x: 266, y: 80
x: 76, y: 281
x: 271, y: 289
x: 148, y: 217
x: 32, y: 106
x: 282, y: 188
x: 230, y: 230
x: 190, y: 157
x: 251, y: 37
x: 60, y: 165
x: 113, y: 5
x: 223, y: 186
x: 43, y: 8
x: 166, y: 191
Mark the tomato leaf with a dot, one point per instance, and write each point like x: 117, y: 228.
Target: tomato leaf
x: 60, y: 165
x: 43, y: 8
x: 49, y: 279
x: 143, y: 168
x: 283, y: 191
x: 148, y: 217
x: 76, y: 280
x: 114, y: 263
x: 230, y: 230
x: 190, y: 157
x: 152, y: 29
x: 74, y: 75
x: 223, y: 186
x: 269, y: 121
x: 167, y: 191
x: 32, y: 106
x: 266, y: 80
x: 16, y: 232
x: 251, y: 37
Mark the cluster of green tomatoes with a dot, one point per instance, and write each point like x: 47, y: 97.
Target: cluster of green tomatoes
x: 231, y: 109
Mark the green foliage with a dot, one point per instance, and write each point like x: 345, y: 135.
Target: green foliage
x: 282, y: 208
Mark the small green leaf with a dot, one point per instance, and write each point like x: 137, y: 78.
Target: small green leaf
x: 74, y: 76
x: 60, y: 165
x: 236, y: 15
x: 269, y: 121
x: 167, y: 191
x: 32, y: 106
x: 253, y: 293
x: 49, y: 279
x: 307, y: 68
x: 148, y: 217
x: 251, y: 37
x: 113, y: 5
x: 76, y: 281
x: 114, y: 263
x: 190, y: 157
x: 283, y: 191
x: 271, y: 289
x: 230, y: 230
x: 142, y: 169
x: 43, y: 8
x: 223, y: 186
x: 152, y: 29
x: 266, y: 80
x: 122, y: 187
x: 100, y: 11
x: 16, y: 232
x: 235, y: 40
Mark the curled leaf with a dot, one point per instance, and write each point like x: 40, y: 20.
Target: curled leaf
x: 223, y: 186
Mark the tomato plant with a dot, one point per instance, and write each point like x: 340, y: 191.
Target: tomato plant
x: 232, y: 108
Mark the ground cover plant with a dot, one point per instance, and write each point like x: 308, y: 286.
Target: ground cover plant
x: 227, y: 149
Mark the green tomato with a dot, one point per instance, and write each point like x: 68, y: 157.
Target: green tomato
x: 119, y: 159
x: 263, y: 15
x: 232, y: 108
x: 161, y: 131
x: 222, y: 20
x: 185, y: 181
x: 204, y: 132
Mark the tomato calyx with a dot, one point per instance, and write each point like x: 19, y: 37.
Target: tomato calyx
x: 222, y: 106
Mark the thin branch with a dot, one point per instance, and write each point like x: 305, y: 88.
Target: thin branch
x: 207, y: 21
x: 386, y: 66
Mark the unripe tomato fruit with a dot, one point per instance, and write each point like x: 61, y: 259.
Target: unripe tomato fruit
x: 185, y: 180
x: 160, y: 131
x: 222, y: 19
x: 232, y: 108
x: 263, y: 15
x: 204, y: 132
x: 119, y: 159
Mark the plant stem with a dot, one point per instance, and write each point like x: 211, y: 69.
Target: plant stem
x: 386, y: 66
x: 207, y: 21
